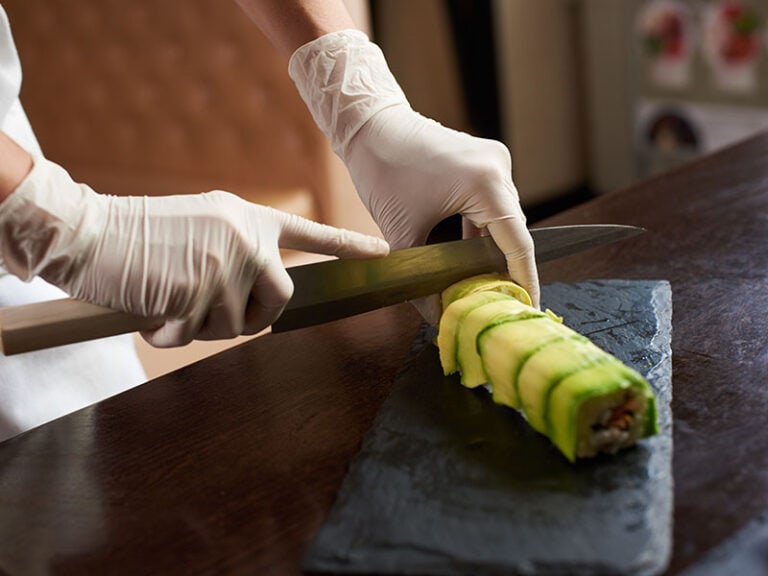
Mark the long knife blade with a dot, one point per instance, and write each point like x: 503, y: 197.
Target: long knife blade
x: 324, y: 291
x: 330, y: 290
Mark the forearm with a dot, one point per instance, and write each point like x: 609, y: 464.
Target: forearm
x: 15, y: 164
x: 291, y: 23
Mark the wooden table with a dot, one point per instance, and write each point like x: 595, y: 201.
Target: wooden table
x: 231, y: 465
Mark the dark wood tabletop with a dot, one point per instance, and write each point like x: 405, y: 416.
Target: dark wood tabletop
x: 232, y: 464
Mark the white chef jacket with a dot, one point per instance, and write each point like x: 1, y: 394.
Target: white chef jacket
x: 37, y: 387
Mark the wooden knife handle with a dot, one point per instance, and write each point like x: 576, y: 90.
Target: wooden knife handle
x: 66, y: 321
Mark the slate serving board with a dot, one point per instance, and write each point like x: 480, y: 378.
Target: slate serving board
x: 447, y: 482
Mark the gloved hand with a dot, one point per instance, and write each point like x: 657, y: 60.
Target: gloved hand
x: 209, y: 263
x: 410, y: 171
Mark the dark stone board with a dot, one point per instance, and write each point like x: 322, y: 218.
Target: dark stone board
x: 447, y: 482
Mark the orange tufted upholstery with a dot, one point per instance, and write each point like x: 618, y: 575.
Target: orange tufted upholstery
x: 177, y: 96
x: 172, y: 97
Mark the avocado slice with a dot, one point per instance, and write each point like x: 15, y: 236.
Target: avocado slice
x: 453, y: 315
x: 504, y: 346
x: 546, y: 367
x: 484, y: 283
x: 467, y: 356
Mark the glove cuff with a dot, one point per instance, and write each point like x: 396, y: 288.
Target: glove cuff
x: 344, y: 80
x: 48, y: 226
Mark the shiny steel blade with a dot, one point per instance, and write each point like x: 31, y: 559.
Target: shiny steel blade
x: 326, y: 291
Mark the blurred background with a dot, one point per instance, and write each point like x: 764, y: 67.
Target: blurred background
x: 170, y: 97
x: 589, y: 95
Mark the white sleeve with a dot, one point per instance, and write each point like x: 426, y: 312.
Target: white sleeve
x: 17, y: 126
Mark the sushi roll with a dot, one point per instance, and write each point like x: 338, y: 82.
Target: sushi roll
x: 582, y: 398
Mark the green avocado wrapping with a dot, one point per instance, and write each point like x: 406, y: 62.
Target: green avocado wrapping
x: 581, y: 397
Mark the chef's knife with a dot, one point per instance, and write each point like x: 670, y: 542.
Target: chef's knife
x: 341, y: 288
x: 324, y: 291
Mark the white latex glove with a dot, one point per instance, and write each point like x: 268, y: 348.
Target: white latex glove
x: 210, y: 263
x: 410, y: 171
